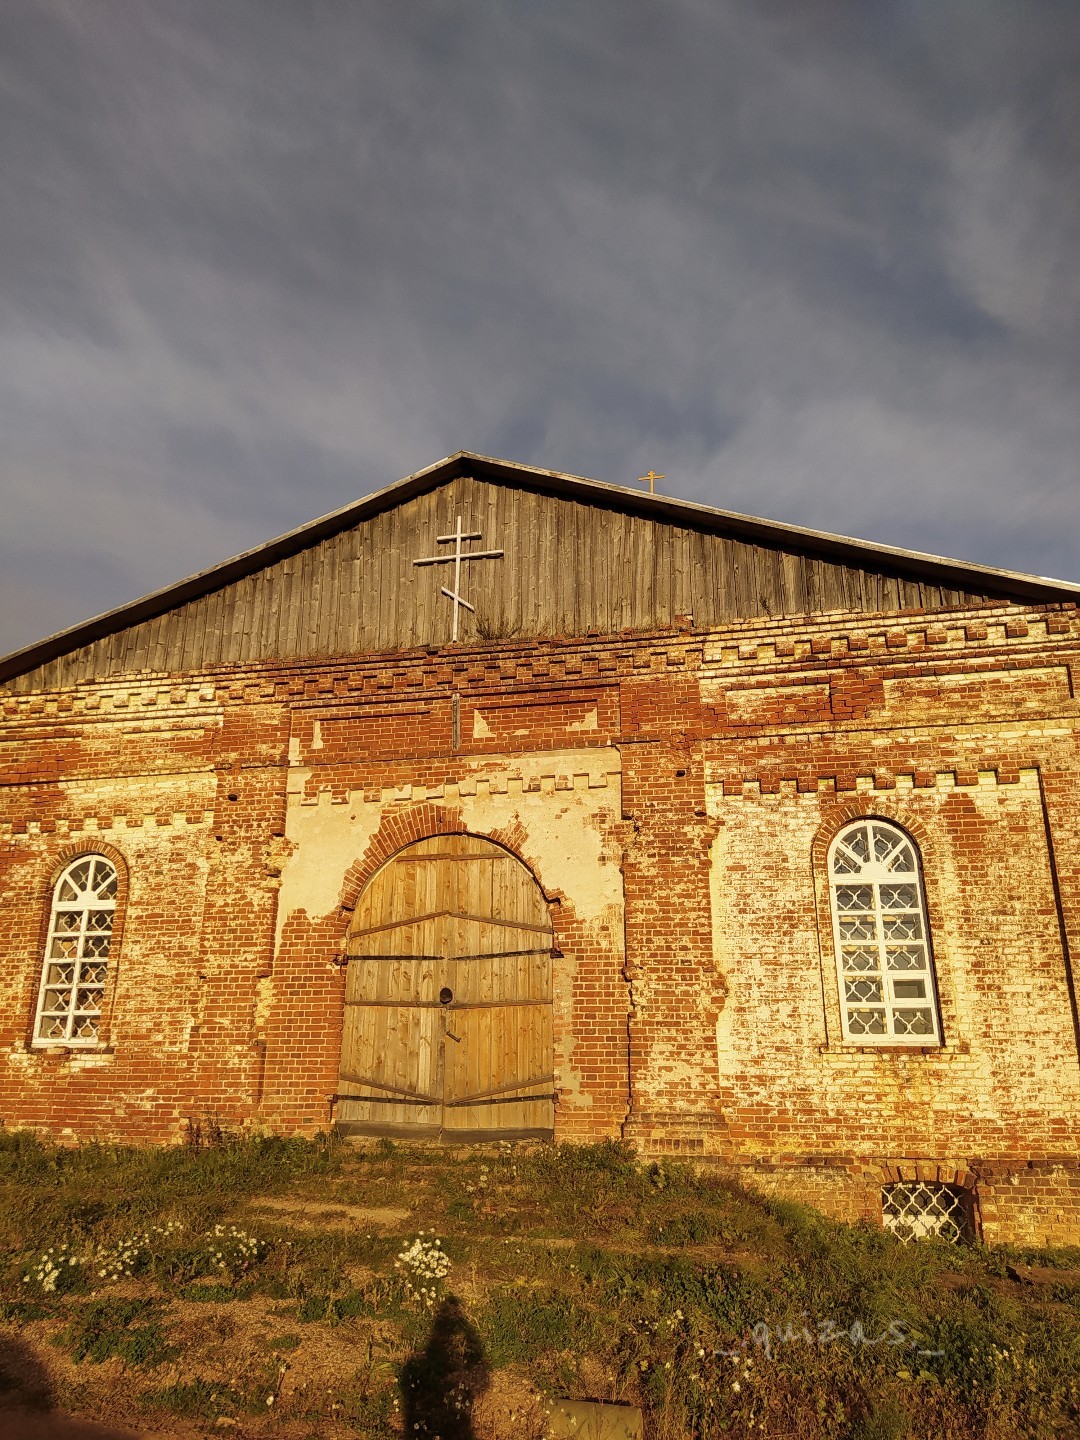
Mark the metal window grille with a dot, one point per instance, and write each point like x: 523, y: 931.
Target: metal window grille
x: 76, y: 954
x: 917, y: 1209
x: 882, y: 939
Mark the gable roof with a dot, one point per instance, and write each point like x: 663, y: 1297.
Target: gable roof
x: 959, y: 574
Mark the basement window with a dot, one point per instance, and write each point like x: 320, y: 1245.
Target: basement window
x: 884, y: 970
x: 77, y: 954
x: 919, y: 1209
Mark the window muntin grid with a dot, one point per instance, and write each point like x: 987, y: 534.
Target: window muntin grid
x: 882, y: 941
x: 918, y: 1209
x: 77, y: 953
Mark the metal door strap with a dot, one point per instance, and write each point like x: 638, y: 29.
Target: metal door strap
x: 346, y: 959
x: 383, y: 1100
x: 382, y: 1085
x: 505, y: 954
x: 499, y: 1100
x: 449, y: 1104
x: 343, y: 960
x: 453, y: 1004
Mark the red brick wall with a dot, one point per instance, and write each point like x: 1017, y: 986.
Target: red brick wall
x: 699, y: 1015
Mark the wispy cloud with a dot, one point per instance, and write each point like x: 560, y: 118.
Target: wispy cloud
x: 818, y: 262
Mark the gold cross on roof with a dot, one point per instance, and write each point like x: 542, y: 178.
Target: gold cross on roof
x: 652, y: 478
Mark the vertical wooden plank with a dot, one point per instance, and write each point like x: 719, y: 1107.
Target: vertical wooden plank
x: 308, y: 609
x: 574, y: 575
x: 150, y: 631
x: 743, y: 558
x: 318, y: 585
x: 720, y: 579
x: 792, y: 599
x: 274, y: 630
x: 861, y: 598
x: 511, y: 592
x: 188, y: 636
x: 667, y: 569
x: 701, y: 602
x: 812, y: 579
x: 239, y: 633
x: 329, y: 559
x: 230, y: 601
x: 423, y: 581
x: 675, y: 538
x: 908, y: 593
x: 544, y: 595
x: 874, y: 590
x: 373, y: 600
x: 649, y: 579
x: 832, y: 589
x: 208, y: 639
x: 288, y: 616
x: 772, y: 580
x: 367, y: 601
x: 351, y: 639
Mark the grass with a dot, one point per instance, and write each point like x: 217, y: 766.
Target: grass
x: 195, y: 1400
x: 129, y: 1329
x: 575, y: 1271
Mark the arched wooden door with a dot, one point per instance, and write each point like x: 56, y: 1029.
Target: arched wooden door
x: 448, y: 1002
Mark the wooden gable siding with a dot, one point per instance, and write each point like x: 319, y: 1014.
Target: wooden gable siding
x: 569, y: 567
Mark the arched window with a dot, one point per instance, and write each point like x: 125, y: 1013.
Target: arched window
x: 882, y: 939
x: 76, y: 953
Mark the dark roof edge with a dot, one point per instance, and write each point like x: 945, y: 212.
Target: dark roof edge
x: 960, y: 574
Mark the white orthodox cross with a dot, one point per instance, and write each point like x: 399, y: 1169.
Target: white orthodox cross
x: 456, y: 558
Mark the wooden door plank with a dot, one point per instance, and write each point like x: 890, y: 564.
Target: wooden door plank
x: 396, y: 1032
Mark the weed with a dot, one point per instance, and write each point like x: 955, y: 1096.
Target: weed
x: 521, y: 1326
x: 131, y: 1329
x: 332, y: 1310
x: 885, y: 1420
x: 217, y: 1294
x: 284, y: 1342
x: 312, y: 1308
x: 194, y: 1399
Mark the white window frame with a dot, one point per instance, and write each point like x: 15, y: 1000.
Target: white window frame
x: 75, y: 968
x: 881, y: 935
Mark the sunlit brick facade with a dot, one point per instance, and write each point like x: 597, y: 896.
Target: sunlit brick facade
x: 674, y: 790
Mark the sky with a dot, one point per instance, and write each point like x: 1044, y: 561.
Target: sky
x: 815, y: 260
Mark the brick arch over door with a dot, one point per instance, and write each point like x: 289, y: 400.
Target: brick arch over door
x: 448, y: 1004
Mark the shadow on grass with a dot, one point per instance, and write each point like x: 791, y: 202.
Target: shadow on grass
x: 27, y: 1399
x: 441, y: 1384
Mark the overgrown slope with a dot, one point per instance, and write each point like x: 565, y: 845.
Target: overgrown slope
x: 255, y: 1288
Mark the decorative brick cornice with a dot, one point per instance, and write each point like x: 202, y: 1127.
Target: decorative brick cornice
x: 872, y: 789
x: 1019, y: 633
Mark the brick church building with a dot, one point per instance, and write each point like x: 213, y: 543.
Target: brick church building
x: 506, y: 803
